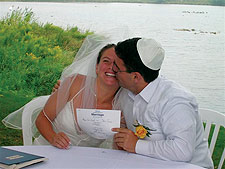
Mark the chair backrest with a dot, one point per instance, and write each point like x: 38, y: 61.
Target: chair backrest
x: 218, y: 119
x: 35, y: 105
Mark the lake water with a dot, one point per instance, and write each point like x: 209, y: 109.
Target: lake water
x: 193, y: 37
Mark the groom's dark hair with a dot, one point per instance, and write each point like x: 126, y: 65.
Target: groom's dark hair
x: 127, y: 51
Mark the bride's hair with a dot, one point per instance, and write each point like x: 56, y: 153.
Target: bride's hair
x: 103, y: 50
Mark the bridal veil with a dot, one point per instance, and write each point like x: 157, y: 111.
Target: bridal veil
x: 83, y: 64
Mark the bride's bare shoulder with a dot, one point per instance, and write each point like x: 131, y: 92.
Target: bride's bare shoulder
x: 78, y: 79
x: 78, y: 82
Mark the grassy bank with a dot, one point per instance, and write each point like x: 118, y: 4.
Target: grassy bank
x: 32, y: 54
x: 8, y: 103
x: 32, y: 57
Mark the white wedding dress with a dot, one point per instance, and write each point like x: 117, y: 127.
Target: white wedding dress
x: 65, y: 122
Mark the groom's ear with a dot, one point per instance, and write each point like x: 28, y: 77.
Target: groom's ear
x: 137, y: 77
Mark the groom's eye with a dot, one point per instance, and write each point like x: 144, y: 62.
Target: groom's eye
x: 106, y: 60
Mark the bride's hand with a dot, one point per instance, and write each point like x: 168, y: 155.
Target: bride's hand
x: 61, y: 140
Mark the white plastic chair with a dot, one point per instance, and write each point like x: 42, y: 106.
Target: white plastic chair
x: 218, y: 119
x: 36, y: 104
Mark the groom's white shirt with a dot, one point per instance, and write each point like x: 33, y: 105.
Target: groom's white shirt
x: 172, y: 112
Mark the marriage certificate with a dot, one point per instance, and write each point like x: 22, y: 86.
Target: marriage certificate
x: 98, y: 123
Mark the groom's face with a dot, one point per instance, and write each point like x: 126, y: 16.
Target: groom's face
x: 124, y: 78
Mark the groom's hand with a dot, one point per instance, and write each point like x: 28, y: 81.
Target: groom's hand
x: 125, y: 139
x: 56, y: 86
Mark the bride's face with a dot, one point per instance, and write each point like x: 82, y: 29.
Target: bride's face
x: 104, y: 68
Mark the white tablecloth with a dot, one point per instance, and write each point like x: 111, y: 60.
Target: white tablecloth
x: 86, y: 157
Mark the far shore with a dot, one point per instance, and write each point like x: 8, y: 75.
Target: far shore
x: 184, y: 2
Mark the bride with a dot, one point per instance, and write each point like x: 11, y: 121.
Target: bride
x: 89, y: 82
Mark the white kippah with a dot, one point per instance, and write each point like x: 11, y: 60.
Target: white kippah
x: 151, y: 53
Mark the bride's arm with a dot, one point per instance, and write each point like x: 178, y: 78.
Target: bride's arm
x: 44, y: 124
x: 50, y: 111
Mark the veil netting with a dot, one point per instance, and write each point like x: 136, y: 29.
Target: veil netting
x: 83, y: 65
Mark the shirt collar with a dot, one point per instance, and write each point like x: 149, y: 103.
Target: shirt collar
x: 148, y: 91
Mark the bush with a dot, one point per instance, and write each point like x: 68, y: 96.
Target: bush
x: 33, y: 55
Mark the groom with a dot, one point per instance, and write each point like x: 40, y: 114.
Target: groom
x: 162, y: 117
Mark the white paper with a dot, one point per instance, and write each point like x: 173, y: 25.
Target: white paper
x: 98, y: 123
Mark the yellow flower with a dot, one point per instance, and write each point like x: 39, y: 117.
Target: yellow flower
x: 141, y: 132
x: 56, y: 47
x: 34, y: 57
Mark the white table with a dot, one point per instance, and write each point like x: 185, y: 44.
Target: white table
x: 86, y: 157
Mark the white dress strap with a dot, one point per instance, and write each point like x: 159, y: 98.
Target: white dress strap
x: 77, y: 94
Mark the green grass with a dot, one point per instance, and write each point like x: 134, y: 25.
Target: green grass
x: 32, y: 58
x: 32, y: 54
x: 220, y: 144
x: 8, y: 103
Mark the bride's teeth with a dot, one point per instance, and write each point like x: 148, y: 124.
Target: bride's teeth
x: 110, y: 74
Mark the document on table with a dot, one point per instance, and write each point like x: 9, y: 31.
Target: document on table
x: 98, y: 123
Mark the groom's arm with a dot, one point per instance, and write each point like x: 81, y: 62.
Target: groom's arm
x: 180, y: 137
x: 178, y: 126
